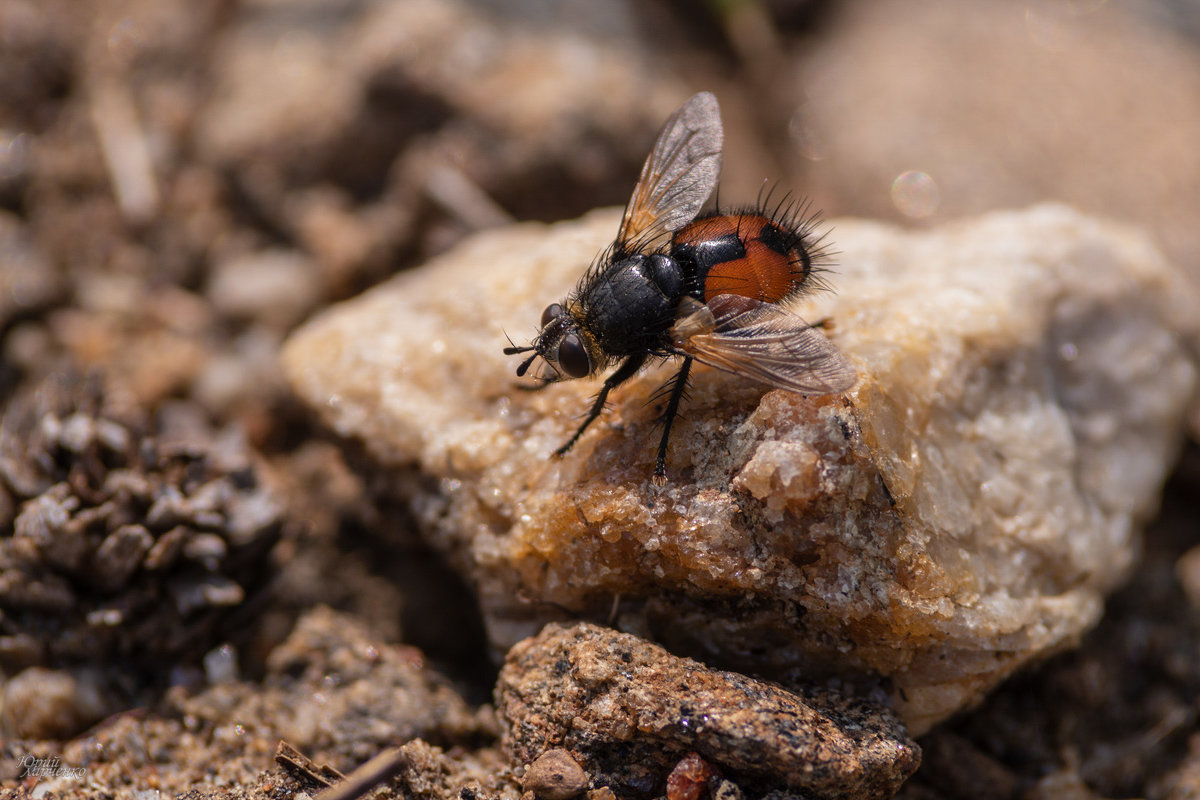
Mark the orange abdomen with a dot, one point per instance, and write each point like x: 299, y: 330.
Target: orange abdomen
x: 743, y: 254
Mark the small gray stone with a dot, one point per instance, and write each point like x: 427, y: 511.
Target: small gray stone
x: 42, y: 703
x: 276, y: 287
x: 206, y: 548
x: 119, y: 555
x: 114, y: 436
x: 555, y: 775
x: 20, y: 650
x: 8, y: 509
x: 166, y: 550
x: 221, y: 664
x: 27, y: 281
x: 193, y: 594
x: 78, y: 432
x: 45, y: 522
x: 250, y: 515
x: 168, y: 509
x: 41, y: 591
x: 727, y: 790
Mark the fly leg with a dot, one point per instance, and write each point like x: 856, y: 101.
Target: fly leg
x: 624, y: 372
x: 678, y: 387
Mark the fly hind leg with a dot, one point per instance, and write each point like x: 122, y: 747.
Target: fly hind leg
x: 678, y: 388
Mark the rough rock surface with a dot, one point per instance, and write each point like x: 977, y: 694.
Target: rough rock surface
x: 631, y: 710
x: 963, y: 510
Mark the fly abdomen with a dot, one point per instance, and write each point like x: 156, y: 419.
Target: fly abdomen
x: 743, y: 254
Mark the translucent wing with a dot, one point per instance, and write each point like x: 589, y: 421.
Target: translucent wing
x: 764, y: 342
x: 680, y: 173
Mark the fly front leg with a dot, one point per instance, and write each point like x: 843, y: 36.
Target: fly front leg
x: 627, y: 370
x: 678, y: 387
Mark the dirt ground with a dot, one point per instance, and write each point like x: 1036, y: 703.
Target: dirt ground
x: 183, y: 183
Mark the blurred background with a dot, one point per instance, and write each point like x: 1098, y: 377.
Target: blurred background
x: 182, y: 182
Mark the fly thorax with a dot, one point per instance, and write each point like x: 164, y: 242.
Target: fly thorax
x: 631, y: 305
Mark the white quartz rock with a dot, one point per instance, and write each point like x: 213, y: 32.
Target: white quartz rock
x: 1024, y: 382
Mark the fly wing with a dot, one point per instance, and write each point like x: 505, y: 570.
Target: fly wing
x: 764, y: 342
x: 679, y: 174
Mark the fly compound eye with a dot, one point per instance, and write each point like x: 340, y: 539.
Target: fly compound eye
x: 573, y: 357
x: 552, y: 312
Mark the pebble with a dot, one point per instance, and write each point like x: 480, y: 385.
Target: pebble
x: 632, y: 712
x: 555, y: 775
x: 40, y: 703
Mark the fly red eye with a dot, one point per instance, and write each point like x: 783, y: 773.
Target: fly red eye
x: 552, y: 312
x: 573, y: 357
